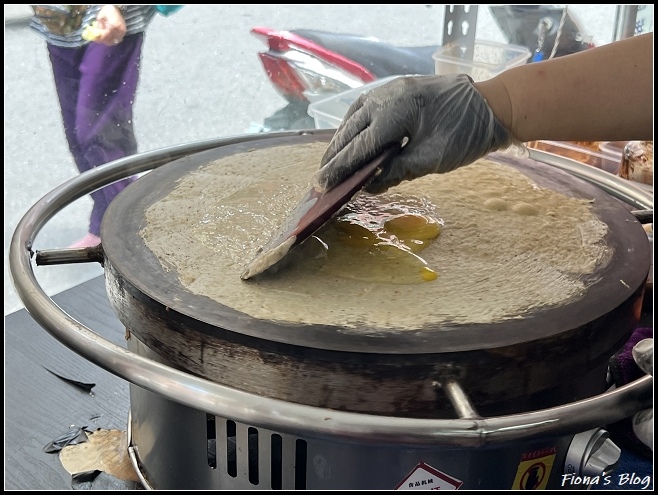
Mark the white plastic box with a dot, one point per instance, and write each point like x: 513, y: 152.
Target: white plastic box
x: 329, y: 112
x: 489, y: 59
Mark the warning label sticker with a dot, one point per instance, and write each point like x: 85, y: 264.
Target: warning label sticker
x: 534, y: 470
x: 424, y: 477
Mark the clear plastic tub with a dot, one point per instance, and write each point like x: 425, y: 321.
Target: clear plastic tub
x: 489, y: 59
x: 329, y: 112
x: 613, y: 148
x: 589, y: 155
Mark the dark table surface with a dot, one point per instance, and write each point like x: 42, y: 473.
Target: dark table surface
x: 40, y: 407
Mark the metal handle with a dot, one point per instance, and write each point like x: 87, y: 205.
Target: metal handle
x: 69, y: 256
x: 275, y: 414
x: 643, y: 216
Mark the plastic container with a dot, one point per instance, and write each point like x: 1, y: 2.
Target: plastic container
x: 329, y: 112
x: 589, y: 155
x: 489, y: 59
x: 613, y: 148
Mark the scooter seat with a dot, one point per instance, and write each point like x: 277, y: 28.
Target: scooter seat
x: 380, y: 58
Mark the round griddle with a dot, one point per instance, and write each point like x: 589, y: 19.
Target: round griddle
x: 519, y: 365
x: 127, y: 254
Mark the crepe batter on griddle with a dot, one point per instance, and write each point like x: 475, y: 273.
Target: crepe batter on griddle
x: 506, y: 246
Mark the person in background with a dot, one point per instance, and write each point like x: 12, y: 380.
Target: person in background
x: 95, y: 53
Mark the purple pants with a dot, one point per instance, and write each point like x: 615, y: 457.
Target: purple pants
x: 96, y: 87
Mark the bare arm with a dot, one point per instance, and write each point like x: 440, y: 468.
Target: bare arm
x: 604, y: 93
x: 446, y: 121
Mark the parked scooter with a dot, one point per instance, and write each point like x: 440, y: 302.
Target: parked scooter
x: 307, y: 65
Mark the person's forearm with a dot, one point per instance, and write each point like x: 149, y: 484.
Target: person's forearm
x: 601, y: 94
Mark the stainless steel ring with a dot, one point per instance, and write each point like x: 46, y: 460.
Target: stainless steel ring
x: 279, y: 415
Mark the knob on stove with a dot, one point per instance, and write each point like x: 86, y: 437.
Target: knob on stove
x: 592, y: 453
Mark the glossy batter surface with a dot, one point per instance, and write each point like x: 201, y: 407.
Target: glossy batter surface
x: 498, y: 245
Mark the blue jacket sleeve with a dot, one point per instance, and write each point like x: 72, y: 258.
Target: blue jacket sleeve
x: 167, y: 10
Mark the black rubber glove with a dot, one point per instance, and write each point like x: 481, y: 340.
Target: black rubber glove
x: 441, y: 122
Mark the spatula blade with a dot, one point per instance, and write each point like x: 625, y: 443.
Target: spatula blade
x: 312, y: 212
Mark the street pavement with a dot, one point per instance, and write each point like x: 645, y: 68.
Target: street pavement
x: 201, y: 79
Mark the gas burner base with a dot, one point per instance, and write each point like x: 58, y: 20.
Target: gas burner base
x: 176, y: 447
